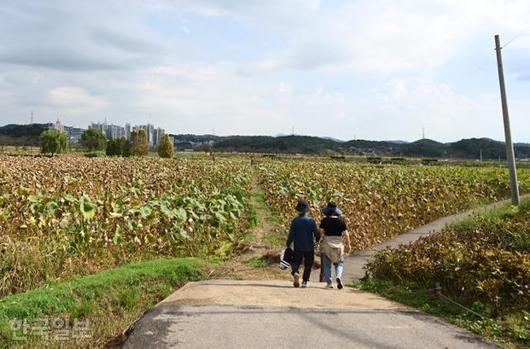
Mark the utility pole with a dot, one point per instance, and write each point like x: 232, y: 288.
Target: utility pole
x: 507, y: 132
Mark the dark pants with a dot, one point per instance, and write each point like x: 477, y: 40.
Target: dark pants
x: 308, y: 258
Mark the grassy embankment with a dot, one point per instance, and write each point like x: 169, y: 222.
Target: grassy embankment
x: 482, y: 263
x: 110, y: 300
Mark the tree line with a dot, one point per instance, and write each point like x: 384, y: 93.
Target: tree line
x: 93, y: 140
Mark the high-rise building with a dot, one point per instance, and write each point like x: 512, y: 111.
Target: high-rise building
x: 154, y: 135
x: 150, y: 130
x: 110, y: 131
x: 74, y: 133
x: 128, y: 131
x: 114, y: 131
x: 158, y: 135
x: 58, y: 126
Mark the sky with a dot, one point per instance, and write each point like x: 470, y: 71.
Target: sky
x: 355, y: 69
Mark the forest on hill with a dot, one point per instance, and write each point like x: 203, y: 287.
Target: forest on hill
x: 472, y: 148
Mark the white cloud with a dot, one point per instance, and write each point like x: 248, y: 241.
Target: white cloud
x: 385, y: 36
x: 419, y: 104
x: 375, y: 69
x: 74, y: 99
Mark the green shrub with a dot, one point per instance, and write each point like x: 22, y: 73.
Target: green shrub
x: 53, y: 142
x: 166, y: 149
x: 482, y: 261
x: 93, y: 139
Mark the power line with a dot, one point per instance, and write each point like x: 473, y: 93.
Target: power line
x: 518, y: 36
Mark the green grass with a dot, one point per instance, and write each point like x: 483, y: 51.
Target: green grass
x: 275, y: 219
x: 253, y: 219
x: 260, y: 213
x: 259, y: 197
x: 110, y: 300
x: 509, y: 331
x: 255, y: 215
x: 258, y: 262
x: 274, y: 239
x: 498, y: 213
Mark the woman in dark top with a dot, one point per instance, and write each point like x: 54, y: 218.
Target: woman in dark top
x: 333, y: 229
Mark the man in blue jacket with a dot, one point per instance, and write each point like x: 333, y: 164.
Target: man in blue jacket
x: 303, y: 229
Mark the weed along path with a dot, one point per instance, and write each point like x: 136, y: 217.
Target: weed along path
x: 269, y: 313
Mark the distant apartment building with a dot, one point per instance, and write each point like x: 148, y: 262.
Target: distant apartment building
x: 128, y: 131
x: 114, y: 131
x: 73, y: 133
x: 110, y: 131
x: 154, y: 135
x: 158, y: 135
x: 150, y: 129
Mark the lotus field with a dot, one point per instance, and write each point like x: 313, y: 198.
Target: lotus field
x: 380, y: 202
x: 71, y: 215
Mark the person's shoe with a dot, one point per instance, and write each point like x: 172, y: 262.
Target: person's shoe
x: 339, y: 284
x: 304, y: 284
x: 329, y: 285
x: 296, y: 282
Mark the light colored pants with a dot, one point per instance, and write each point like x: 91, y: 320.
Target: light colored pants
x: 326, y: 264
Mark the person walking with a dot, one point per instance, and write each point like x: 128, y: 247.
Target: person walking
x: 334, y: 231
x: 301, y: 233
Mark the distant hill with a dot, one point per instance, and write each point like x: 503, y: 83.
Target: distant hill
x: 463, y: 149
x: 283, y: 144
x: 22, y: 135
x: 490, y: 149
x: 28, y: 135
x: 425, y: 148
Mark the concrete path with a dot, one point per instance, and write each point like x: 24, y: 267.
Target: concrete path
x: 354, y: 264
x: 273, y: 314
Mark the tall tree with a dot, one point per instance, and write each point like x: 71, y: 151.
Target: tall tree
x: 93, y: 139
x: 165, y: 149
x: 134, y: 140
x: 116, y: 146
x: 127, y: 148
x: 140, y: 145
x: 53, y: 142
